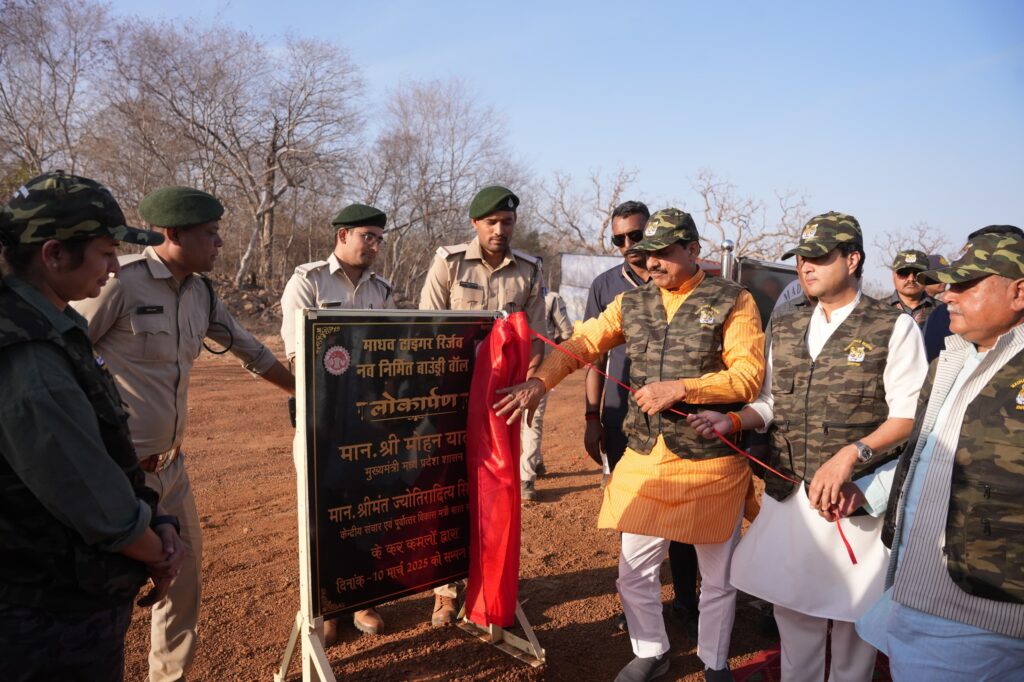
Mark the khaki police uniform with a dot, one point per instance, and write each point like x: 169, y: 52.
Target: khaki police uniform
x: 324, y: 284
x: 150, y: 330
x: 460, y: 279
x: 560, y: 327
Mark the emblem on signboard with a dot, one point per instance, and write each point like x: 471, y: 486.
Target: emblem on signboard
x: 336, y: 360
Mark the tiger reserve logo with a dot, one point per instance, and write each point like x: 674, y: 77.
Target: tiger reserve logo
x: 706, y: 315
x: 857, y: 351
x: 1019, y: 385
x: 336, y: 360
x: 809, y: 232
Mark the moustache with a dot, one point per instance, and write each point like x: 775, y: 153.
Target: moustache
x: 953, y: 309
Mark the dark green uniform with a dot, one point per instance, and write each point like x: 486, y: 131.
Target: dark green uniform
x: 65, y: 593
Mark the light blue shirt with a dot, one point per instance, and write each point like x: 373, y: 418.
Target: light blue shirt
x: 923, y: 644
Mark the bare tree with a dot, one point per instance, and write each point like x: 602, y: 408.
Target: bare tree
x: 436, y: 147
x: 583, y: 218
x: 920, y: 236
x: 48, y: 51
x: 256, y: 123
x: 755, y: 230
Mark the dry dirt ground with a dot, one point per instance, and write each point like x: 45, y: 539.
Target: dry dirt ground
x: 239, y: 461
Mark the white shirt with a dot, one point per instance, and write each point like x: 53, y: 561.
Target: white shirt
x: 906, y: 365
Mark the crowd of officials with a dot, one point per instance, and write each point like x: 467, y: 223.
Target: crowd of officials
x: 902, y: 420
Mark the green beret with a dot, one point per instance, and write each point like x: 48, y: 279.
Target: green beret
x: 491, y: 199
x: 179, y: 207
x: 360, y: 215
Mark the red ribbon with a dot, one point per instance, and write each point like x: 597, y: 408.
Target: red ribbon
x: 492, y: 460
x: 842, y: 535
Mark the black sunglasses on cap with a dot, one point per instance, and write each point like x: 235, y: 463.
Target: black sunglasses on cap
x: 634, y: 236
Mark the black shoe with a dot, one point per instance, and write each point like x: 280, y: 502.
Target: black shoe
x: 723, y: 675
x: 541, y: 470
x: 644, y: 669
x: 687, y: 618
x: 619, y: 621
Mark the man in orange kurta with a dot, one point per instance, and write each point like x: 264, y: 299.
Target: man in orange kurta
x: 693, y: 340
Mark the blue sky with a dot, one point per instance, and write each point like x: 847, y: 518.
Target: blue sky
x: 894, y: 112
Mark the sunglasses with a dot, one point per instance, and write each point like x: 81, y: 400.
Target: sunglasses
x: 634, y: 236
x: 903, y: 274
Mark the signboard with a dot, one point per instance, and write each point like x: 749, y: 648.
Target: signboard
x: 382, y: 415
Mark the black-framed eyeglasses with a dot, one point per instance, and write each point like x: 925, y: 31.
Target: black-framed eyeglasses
x: 634, y: 236
x: 903, y: 273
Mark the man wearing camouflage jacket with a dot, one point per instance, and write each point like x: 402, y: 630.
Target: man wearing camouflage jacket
x: 841, y: 383
x: 692, y: 340
x: 953, y: 608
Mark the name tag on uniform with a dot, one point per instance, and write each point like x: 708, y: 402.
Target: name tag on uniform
x: 470, y: 285
x: 149, y: 310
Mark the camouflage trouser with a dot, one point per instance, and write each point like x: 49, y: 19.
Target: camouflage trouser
x: 36, y: 644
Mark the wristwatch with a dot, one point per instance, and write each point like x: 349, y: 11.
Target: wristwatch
x: 169, y: 519
x: 864, y: 452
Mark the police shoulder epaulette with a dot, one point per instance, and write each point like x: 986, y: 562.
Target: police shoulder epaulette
x: 454, y: 249
x: 532, y: 260
x: 310, y: 267
x: 130, y: 258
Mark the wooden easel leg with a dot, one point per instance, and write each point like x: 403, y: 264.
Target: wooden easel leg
x: 527, y: 650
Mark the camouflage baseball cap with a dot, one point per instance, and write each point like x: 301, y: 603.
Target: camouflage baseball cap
x: 824, y: 232
x: 987, y: 254
x: 936, y: 261
x: 665, y: 228
x: 910, y: 259
x: 64, y: 207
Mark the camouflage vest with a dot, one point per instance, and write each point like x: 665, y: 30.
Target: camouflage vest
x: 984, y: 529
x: 689, y: 346
x: 821, y: 406
x: 48, y: 564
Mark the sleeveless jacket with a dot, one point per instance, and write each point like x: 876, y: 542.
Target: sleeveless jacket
x: 688, y: 346
x: 47, y: 564
x: 984, y: 541
x: 832, y: 401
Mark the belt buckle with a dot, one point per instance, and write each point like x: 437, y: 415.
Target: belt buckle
x: 166, y: 458
x: 163, y: 460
